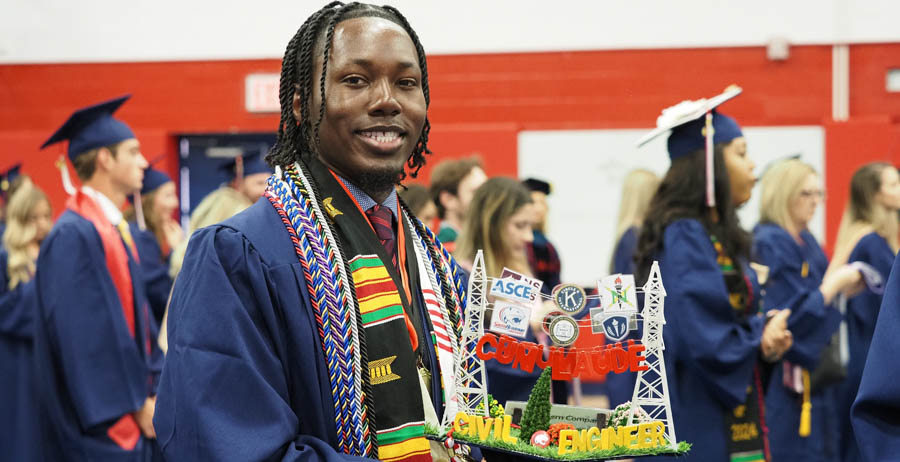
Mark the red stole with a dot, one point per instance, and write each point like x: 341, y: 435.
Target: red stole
x: 125, y: 431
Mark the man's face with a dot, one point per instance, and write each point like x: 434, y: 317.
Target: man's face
x: 127, y: 167
x: 539, y: 199
x: 374, y: 103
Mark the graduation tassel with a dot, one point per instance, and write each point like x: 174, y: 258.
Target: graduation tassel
x: 64, y: 173
x: 710, y: 171
x: 139, y: 212
x: 806, y: 410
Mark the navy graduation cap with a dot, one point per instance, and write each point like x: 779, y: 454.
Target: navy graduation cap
x: 536, y: 185
x: 696, y: 125
x: 92, y: 127
x: 153, y: 179
x: 242, y: 166
x: 7, y: 178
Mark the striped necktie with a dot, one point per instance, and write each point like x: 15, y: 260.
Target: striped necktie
x: 383, y: 223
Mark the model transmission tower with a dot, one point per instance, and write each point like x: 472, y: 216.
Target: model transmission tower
x: 651, y: 391
x: 471, y: 378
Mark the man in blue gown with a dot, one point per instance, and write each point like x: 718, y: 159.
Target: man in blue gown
x: 94, y: 337
x: 320, y: 323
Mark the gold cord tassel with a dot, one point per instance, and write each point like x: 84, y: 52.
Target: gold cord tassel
x: 806, y: 410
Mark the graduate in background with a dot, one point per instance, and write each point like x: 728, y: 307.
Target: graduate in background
x: 316, y: 324
x: 499, y: 224
x: 868, y: 233
x: 876, y: 411
x: 155, y: 233
x: 29, y: 219
x: 419, y: 201
x: 10, y: 180
x: 716, y: 338
x: 93, y: 332
x: 246, y: 184
x: 542, y: 255
x: 802, y: 418
x: 637, y: 191
x: 453, y: 183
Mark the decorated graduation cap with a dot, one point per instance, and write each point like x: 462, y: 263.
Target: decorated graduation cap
x: 534, y: 184
x: 92, y: 127
x: 697, y: 125
x: 6, y: 179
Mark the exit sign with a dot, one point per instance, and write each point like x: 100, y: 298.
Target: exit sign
x: 261, y: 92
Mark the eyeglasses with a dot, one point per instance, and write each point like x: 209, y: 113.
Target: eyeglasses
x: 812, y: 193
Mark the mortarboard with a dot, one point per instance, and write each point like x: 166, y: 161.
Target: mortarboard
x: 92, y: 127
x: 7, y: 178
x: 534, y: 184
x: 153, y: 179
x: 695, y: 125
x: 246, y: 165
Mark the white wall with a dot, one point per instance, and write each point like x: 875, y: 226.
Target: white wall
x: 142, y: 30
x: 587, y: 169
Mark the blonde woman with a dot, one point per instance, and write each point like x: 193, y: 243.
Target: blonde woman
x: 868, y: 234
x: 639, y: 187
x: 637, y: 191
x: 500, y: 224
x: 28, y: 220
x: 791, y: 193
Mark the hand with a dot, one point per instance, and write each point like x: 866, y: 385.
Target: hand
x: 144, y: 417
x: 776, y: 338
x: 32, y: 249
x: 173, y: 232
x: 845, y: 279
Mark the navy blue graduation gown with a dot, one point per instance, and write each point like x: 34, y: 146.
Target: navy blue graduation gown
x: 710, y: 356
x: 620, y: 387
x: 155, y: 270
x: 876, y: 412
x: 253, y: 385
x: 862, y: 312
x: 90, y: 370
x: 812, y: 324
x: 19, y: 436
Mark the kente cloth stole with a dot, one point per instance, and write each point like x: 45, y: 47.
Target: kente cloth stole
x: 359, y: 313
x: 745, y: 425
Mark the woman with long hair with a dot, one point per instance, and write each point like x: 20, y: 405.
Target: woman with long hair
x: 639, y: 187
x: 500, y: 224
x: 799, y: 410
x: 715, y: 335
x: 156, y: 234
x: 868, y: 234
x: 637, y: 191
x: 28, y: 220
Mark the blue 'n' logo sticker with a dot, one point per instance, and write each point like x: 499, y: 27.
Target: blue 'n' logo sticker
x: 615, y: 326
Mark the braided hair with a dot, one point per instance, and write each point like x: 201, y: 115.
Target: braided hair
x: 297, y: 139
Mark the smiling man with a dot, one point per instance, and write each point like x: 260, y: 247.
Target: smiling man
x: 321, y: 323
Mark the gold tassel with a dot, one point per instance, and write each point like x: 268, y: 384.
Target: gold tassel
x: 806, y: 410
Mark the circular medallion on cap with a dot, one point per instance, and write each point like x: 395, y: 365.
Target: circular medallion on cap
x: 563, y: 330
x: 569, y: 297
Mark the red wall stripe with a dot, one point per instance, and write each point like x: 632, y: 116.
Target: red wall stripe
x: 481, y: 102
